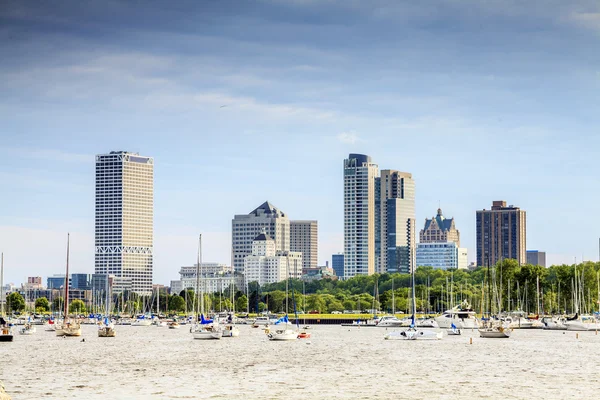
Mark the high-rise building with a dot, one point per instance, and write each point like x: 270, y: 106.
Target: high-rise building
x: 439, y: 229
x: 441, y: 255
x: 397, y: 221
x: 304, y: 239
x: 535, y: 257
x: 245, y: 227
x: 124, y: 220
x: 501, y: 234
x: 359, y: 215
x: 337, y: 263
x: 266, y: 264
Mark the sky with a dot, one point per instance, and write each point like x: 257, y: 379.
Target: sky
x: 240, y: 102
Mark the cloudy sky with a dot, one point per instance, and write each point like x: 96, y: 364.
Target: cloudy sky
x: 481, y: 101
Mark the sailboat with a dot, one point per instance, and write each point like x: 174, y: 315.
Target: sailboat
x: 230, y: 330
x: 412, y: 333
x: 494, y: 329
x: 106, y: 327
x: 205, y: 329
x: 6, y: 334
x: 285, y: 333
x: 68, y: 327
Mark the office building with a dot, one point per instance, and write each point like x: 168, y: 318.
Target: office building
x: 266, y: 264
x: 439, y: 229
x: 396, y: 209
x: 535, y: 257
x: 246, y: 227
x: 124, y: 220
x: 501, y: 234
x: 359, y: 215
x: 337, y: 263
x: 304, y: 239
x: 442, y: 255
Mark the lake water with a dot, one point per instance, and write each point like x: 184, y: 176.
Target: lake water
x: 337, y: 362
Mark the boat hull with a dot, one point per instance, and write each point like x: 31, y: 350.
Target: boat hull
x: 414, y: 334
x: 207, y: 335
x: 231, y: 331
x: 283, y: 335
x: 107, y: 332
x: 494, y: 333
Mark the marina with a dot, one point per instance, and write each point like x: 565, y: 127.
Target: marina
x: 153, y: 363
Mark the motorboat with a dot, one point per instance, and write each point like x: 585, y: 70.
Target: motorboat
x: 304, y: 335
x: 427, y: 323
x: 462, y: 316
x: 389, y: 321
x: 261, y: 321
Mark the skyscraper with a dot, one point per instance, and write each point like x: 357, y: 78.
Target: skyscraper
x: 439, y: 244
x: 535, y: 257
x: 246, y: 227
x: 397, y: 221
x: 337, y: 263
x: 124, y: 220
x: 304, y: 239
x: 359, y: 215
x: 501, y: 234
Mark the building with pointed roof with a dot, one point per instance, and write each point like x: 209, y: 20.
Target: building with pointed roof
x: 267, y: 265
x: 439, y: 230
x: 264, y: 219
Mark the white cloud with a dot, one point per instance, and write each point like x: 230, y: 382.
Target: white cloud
x: 348, y: 137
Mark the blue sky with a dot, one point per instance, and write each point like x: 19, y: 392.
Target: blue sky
x: 481, y: 101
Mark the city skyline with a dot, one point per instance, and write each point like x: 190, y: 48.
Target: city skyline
x: 472, y: 100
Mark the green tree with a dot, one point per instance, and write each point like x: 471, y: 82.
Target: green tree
x: 15, y: 302
x: 42, y: 304
x: 176, y: 303
x: 77, y: 306
x: 241, y: 303
x: 58, y: 304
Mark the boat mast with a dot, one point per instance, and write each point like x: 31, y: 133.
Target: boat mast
x: 414, y: 300
x: 2, y: 285
x: 66, y: 305
x: 196, y: 309
x: 393, y: 299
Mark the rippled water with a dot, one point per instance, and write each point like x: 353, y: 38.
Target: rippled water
x: 337, y: 362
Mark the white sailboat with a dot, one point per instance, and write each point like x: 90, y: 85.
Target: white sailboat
x: 230, y: 329
x: 205, y: 329
x: 493, y: 328
x: 106, y: 327
x: 68, y: 327
x: 6, y: 333
x: 285, y: 333
x: 414, y: 333
x: 28, y: 328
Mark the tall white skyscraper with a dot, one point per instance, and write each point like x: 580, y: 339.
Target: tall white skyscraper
x: 359, y: 215
x: 304, y: 239
x: 124, y: 220
x: 246, y: 227
x: 397, y: 221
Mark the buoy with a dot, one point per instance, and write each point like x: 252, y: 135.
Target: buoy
x: 577, y: 336
x: 83, y: 340
x: 471, y: 341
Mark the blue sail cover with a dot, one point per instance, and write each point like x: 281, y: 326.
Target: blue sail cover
x: 283, y: 319
x: 205, y: 321
x: 106, y: 321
